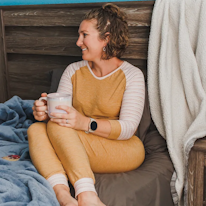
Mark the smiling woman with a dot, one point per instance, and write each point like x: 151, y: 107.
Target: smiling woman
x: 113, y: 29
x: 107, y: 105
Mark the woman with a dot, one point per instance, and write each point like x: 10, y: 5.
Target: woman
x: 97, y: 133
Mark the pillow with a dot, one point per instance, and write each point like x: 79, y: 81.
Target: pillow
x: 56, y: 76
x: 145, y: 121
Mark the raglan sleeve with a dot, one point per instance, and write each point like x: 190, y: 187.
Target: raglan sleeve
x: 131, y: 109
x: 65, y: 83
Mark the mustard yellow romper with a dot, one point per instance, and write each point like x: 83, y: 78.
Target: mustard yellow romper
x: 117, y: 97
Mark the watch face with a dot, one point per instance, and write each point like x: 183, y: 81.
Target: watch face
x: 93, y: 126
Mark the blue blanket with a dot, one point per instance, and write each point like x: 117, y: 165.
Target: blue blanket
x: 20, y: 183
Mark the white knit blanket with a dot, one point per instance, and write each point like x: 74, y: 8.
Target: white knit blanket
x: 177, y: 80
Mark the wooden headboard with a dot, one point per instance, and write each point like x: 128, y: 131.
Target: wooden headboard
x: 37, y: 39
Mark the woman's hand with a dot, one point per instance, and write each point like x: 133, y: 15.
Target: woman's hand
x: 39, y: 109
x: 73, y: 119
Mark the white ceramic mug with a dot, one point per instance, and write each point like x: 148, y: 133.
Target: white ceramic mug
x: 56, y: 99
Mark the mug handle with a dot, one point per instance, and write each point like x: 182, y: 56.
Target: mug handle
x: 43, y: 98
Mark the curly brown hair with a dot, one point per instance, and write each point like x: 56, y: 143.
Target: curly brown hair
x: 112, y: 23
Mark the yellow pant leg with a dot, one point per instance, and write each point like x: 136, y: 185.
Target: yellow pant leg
x: 70, y: 151
x: 41, y: 151
x: 81, y: 153
x: 113, y: 156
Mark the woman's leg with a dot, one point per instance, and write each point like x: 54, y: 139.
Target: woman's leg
x: 73, y: 156
x: 81, y: 153
x: 47, y: 163
x: 41, y: 151
x: 113, y: 156
x: 110, y: 156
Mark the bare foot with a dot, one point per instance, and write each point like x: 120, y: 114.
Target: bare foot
x: 89, y: 199
x: 63, y: 196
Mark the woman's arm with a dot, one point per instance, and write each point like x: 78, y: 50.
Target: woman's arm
x: 131, y: 108
x: 132, y: 104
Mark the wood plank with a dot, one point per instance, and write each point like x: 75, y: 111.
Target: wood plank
x: 42, y: 59
x: 43, y: 45
x: 191, y: 177
x: 137, y: 49
x: 200, y: 145
x: 195, y: 178
x: 26, y: 68
x: 199, y: 179
x: 42, y: 31
x: 139, y: 32
x: 3, y: 65
x: 204, y: 183
x: 138, y: 15
x: 66, y: 46
x: 70, y: 31
x: 43, y: 79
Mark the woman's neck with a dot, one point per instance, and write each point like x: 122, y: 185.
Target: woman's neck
x: 104, y: 67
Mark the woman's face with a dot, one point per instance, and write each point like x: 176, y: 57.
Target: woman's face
x: 89, y: 41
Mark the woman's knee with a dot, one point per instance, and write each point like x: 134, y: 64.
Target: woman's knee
x: 35, y: 129
x: 138, y: 151
x: 52, y: 126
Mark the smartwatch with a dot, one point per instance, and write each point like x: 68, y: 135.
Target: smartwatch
x: 92, y: 126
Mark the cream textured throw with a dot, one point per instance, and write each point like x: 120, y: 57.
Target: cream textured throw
x: 177, y: 80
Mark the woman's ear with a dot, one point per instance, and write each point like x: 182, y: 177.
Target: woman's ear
x: 107, y: 37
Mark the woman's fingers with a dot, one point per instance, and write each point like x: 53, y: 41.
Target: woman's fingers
x: 62, y: 122
x: 39, y: 103
x: 43, y: 94
x: 41, y: 108
x: 62, y: 115
x: 70, y: 119
x: 40, y: 113
x: 59, y: 115
x: 40, y: 116
x: 65, y: 125
x: 65, y: 108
